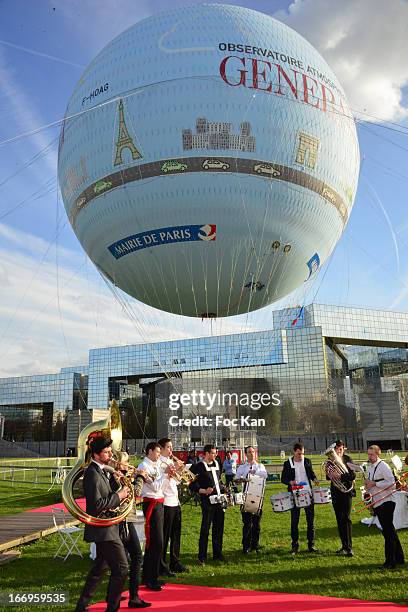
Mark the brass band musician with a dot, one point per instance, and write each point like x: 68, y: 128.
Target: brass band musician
x: 380, y: 477
x: 153, y: 511
x: 101, y: 495
x: 342, y: 496
x: 207, y: 484
x: 130, y: 539
x: 172, y: 515
x: 296, y: 470
x: 251, y: 523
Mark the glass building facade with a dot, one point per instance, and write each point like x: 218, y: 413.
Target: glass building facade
x: 328, y: 371
x: 35, y: 407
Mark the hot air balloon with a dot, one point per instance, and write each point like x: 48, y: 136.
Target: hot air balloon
x: 208, y: 160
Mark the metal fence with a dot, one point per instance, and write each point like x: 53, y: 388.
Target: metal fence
x: 35, y: 471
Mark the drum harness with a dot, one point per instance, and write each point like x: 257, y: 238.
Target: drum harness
x: 214, y: 469
x: 296, y: 489
x: 248, y: 474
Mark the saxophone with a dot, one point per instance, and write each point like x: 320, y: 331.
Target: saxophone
x: 111, y: 427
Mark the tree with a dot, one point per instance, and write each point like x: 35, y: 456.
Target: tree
x: 289, y: 416
x: 318, y: 418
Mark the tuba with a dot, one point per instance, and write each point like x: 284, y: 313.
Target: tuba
x: 335, y: 469
x: 111, y: 427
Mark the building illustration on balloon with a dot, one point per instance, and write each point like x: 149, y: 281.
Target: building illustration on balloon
x: 217, y: 135
x: 287, y: 177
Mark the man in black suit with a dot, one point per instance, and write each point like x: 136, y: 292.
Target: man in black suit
x: 297, y: 470
x: 110, y: 552
x: 207, y: 484
x: 342, y: 500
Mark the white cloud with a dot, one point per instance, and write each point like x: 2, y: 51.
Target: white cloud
x: 35, y: 245
x: 46, y: 325
x: 26, y: 119
x: 365, y: 43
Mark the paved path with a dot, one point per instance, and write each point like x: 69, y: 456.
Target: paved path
x: 17, y: 529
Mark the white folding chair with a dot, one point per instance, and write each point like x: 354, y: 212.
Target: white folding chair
x: 69, y: 535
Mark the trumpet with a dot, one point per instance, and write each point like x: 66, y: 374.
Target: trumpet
x: 123, y: 466
x: 182, y: 473
x: 178, y: 462
x: 367, y: 503
x: 131, y: 473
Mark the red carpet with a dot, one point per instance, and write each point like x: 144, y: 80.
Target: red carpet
x: 198, y: 598
x: 80, y: 502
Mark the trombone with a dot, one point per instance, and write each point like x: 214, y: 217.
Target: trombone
x: 400, y: 484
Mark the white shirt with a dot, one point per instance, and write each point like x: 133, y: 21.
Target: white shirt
x: 154, y: 488
x: 214, y: 467
x: 254, y: 468
x: 107, y: 469
x: 300, y: 472
x: 170, y: 490
x: 380, y: 472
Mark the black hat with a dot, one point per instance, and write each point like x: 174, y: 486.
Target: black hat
x: 98, y: 444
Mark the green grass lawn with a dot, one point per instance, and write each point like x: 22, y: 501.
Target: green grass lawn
x: 23, y: 496
x: 273, y: 569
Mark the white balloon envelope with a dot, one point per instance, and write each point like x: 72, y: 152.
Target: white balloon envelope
x: 208, y: 160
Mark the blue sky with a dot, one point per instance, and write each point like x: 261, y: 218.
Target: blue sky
x: 54, y: 305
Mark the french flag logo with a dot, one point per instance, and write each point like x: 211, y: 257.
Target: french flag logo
x: 207, y: 232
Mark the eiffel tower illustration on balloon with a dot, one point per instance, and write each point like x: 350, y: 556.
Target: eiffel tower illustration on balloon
x: 124, y: 140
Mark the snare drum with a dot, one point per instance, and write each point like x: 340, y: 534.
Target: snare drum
x: 281, y: 502
x: 302, y: 497
x: 322, y: 495
x: 230, y: 499
x: 239, y: 498
x: 219, y: 499
x: 254, y: 495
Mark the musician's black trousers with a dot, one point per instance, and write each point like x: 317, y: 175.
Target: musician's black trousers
x: 153, y: 553
x: 108, y: 555
x: 393, y: 549
x: 212, y: 514
x: 294, y: 525
x: 172, y: 533
x: 251, y: 529
x: 342, y: 507
x: 132, y: 545
x: 229, y: 481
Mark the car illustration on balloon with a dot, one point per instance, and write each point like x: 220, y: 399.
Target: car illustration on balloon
x: 266, y: 169
x: 215, y: 164
x: 102, y: 186
x: 81, y: 201
x: 173, y: 165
